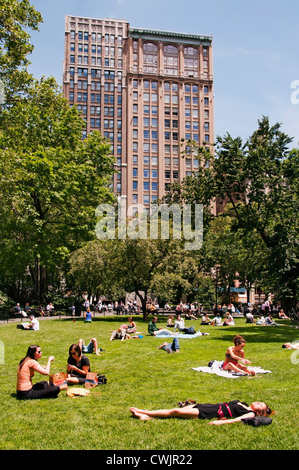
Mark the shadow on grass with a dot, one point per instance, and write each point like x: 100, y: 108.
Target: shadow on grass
x: 257, y: 333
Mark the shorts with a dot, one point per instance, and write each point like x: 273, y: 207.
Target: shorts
x: 87, y: 349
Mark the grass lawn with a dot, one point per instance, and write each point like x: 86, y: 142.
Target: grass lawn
x: 142, y: 376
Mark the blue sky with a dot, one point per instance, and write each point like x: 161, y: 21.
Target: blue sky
x: 255, y: 50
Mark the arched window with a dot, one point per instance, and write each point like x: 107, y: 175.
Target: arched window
x: 150, y: 57
x: 190, y: 62
x: 170, y: 60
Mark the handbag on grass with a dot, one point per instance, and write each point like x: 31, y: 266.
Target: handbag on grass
x: 257, y: 421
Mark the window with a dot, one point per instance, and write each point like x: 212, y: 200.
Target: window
x: 135, y: 185
x: 146, y: 173
x: 190, y: 62
x: 170, y: 60
x: 150, y: 57
x: 135, y: 172
x: 146, y: 186
x: 154, y: 186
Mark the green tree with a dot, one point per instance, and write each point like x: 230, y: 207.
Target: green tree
x: 17, y: 17
x: 259, y: 178
x: 51, y: 181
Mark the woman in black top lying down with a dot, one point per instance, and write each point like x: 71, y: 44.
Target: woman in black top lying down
x: 230, y: 412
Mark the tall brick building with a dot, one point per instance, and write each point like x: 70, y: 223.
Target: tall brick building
x: 145, y: 90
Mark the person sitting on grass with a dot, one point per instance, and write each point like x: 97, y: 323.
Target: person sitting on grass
x: 34, y: 325
x: 180, y: 325
x: 171, y: 347
x: 78, y: 366
x: 120, y: 333
x: 230, y: 412
x: 169, y: 322
x: 234, y: 354
x: 27, y: 367
x: 132, y: 327
x: 153, y: 330
x: 216, y: 320
x: 87, y: 316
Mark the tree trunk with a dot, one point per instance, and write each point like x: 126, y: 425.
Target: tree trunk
x: 143, y: 303
x: 39, y: 278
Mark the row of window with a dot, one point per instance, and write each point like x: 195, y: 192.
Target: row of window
x: 86, y: 60
x: 95, y: 73
x: 108, y: 38
x: 96, y: 49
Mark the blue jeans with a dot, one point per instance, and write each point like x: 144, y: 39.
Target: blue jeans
x: 171, y: 348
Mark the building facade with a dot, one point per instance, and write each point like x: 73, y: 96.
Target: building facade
x: 146, y: 91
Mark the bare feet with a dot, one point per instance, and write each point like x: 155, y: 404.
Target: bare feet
x: 138, y: 414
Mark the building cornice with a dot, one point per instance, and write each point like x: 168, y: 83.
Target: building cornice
x: 169, y: 36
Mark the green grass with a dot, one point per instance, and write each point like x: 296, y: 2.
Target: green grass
x: 142, y: 376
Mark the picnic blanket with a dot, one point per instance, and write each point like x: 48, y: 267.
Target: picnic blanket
x: 181, y: 335
x: 216, y: 368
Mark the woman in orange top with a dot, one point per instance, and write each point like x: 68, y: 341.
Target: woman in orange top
x: 27, y: 367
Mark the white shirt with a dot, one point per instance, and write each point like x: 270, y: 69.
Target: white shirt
x: 180, y: 324
x: 35, y: 324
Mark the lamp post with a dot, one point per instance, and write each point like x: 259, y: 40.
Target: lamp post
x: 214, y: 272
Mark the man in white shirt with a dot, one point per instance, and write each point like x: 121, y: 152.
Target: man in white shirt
x: 34, y: 325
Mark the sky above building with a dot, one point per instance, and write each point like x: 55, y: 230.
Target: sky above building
x: 255, y: 51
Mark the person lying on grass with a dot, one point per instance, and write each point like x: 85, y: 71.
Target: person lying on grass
x: 171, y: 347
x: 92, y: 346
x: 291, y: 345
x: 235, y: 354
x: 226, y: 413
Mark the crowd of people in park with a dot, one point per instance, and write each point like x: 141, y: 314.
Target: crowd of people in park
x: 78, y: 364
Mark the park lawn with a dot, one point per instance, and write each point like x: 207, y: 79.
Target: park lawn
x: 142, y: 376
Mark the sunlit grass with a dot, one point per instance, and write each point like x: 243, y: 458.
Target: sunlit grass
x: 140, y: 375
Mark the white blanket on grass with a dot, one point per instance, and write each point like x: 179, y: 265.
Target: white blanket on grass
x: 216, y: 368
x: 180, y: 335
